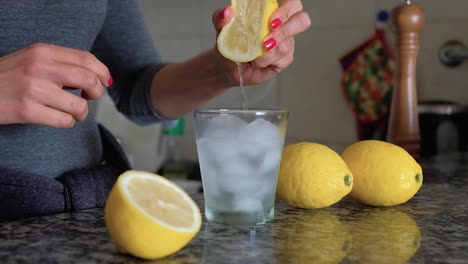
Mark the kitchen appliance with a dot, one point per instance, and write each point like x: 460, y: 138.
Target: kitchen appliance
x: 443, y: 127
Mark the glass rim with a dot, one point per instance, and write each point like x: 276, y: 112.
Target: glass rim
x: 257, y: 111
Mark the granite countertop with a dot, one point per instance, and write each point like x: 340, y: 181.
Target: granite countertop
x: 430, y: 228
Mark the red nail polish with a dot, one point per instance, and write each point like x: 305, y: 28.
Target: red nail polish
x: 222, y: 14
x: 276, y: 23
x: 269, y: 44
x: 110, y: 82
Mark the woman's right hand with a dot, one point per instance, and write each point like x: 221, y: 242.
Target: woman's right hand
x: 32, y: 82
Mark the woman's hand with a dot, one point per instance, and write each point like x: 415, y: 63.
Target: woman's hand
x: 180, y: 87
x: 287, y: 21
x: 32, y: 82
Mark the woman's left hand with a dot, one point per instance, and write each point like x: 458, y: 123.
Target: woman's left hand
x: 285, y: 23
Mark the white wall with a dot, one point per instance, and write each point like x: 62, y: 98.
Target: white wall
x: 309, y: 89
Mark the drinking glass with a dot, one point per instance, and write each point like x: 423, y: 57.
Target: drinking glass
x: 239, y: 153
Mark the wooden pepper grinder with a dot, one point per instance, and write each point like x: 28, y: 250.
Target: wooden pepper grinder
x: 403, y: 127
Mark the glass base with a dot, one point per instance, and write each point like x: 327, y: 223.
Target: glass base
x: 239, y: 218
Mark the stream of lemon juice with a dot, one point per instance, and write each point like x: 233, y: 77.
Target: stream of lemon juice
x: 241, y: 86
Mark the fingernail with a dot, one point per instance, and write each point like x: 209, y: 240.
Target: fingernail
x: 222, y: 14
x: 269, y: 44
x: 110, y: 82
x: 276, y: 23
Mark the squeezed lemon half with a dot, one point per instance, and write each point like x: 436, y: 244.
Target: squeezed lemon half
x: 242, y: 39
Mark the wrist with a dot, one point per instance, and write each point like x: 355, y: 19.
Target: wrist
x: 222, y: 69
x: 180, y: 87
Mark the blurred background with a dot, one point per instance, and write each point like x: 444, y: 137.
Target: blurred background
x: 310, y: 88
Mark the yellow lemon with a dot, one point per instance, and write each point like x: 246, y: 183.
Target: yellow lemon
x: 241, y: 40
x: 383, y: 235
x: 312, y: 237
x: 150, y: 217
x: 312, y: 176
x: 384, y: 174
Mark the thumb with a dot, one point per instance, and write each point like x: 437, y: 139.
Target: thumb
x: 221, y: 17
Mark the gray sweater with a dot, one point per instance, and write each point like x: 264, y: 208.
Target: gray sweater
x: 114, y: 31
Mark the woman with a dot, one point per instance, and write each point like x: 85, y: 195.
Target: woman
x: 56, y: 55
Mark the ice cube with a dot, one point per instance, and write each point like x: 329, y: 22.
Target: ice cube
x: 217, y: 150
x: 247, y: 205
x: 268, y: 189
x: 258, y: 137
x: 267, y: 193
x: 271, y: 161
x: 209, y: 174
x: 237, y: 176
x: 224, y: 126
x: 259, y: 130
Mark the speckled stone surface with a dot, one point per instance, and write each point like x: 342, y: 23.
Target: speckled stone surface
x: 430, y: 228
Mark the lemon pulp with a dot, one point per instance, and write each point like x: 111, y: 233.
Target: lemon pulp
x: 150, y: 217
x: 241, y: 40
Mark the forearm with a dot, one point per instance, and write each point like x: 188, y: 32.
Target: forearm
x: 179, y: 88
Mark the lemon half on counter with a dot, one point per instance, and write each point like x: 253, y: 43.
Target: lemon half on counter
x: 242, y: 39
x: 149, y: 216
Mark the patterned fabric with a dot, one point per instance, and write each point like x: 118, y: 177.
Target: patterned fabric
x: 367, y: 83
